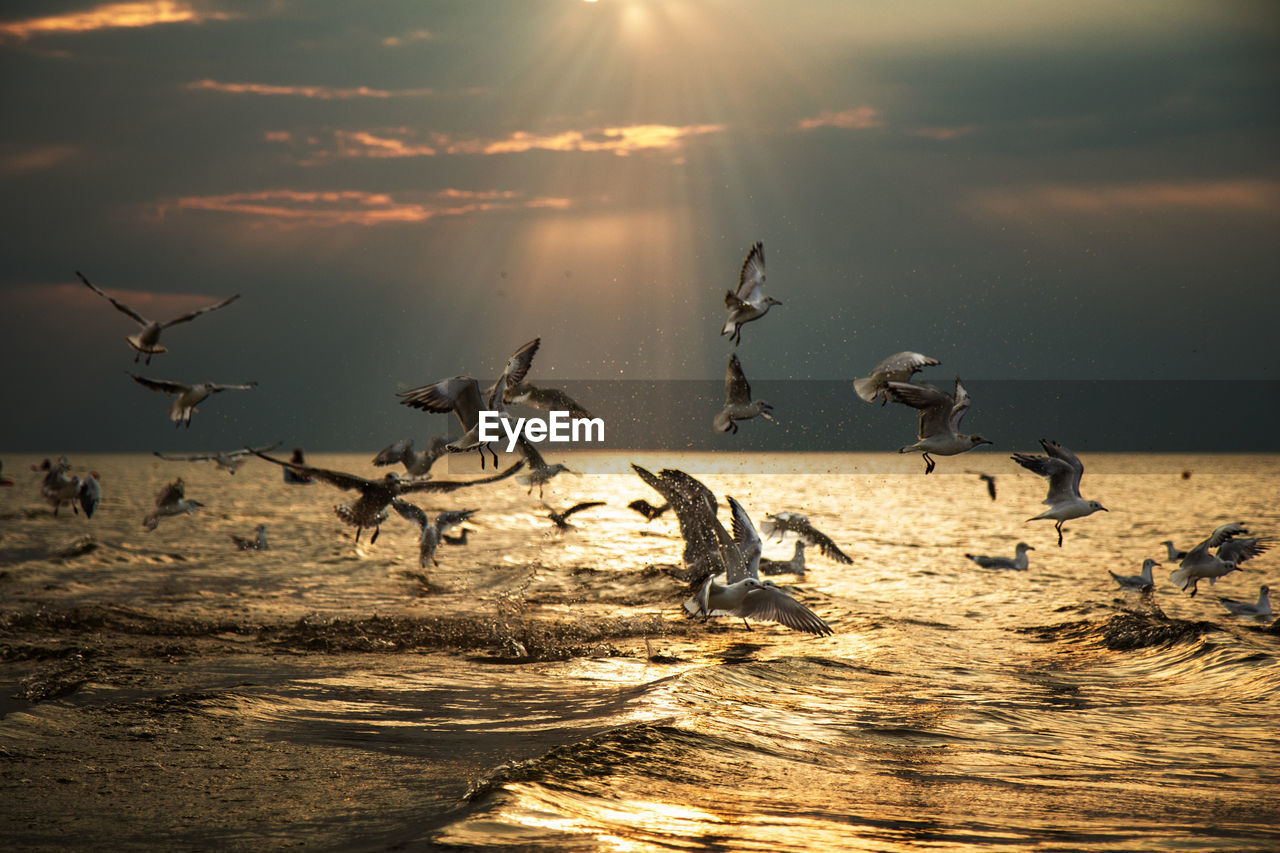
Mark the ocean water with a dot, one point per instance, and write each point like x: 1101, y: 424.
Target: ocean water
x: 543, y: 691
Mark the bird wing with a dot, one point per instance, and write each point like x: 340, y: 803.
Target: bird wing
x: 959, y: 407
x: 192, y: 457
x: 547, y: 399
x: 410, y: 512
x: 579, y: 507
x: 1238, y: 550
x: 519, y: 362
x: 934, y: 404
x: 531, y: 454
x: 1063, y: 479
x: 452, y: 485
x: 394, y: 453
x: 450, y: 519
x: 187, y: 318
x: 902, y: 363
x: 335, y: 478
x: 164, y: 386
x: 748, y: 542
x: 736, y: 387
x: 171, y: 493
x: 770, y: 604
x: 1218, y: 537
x: 460, y: 395
x: 751, y: 276
x: 214, y: 387
x: 120, y: 306
x: 1057, y: 451
x: 815, y: 537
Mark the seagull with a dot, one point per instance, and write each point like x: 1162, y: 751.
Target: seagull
x: 1239, y: 550
x: 460, y: 539
x: 171, y: 501
x: 988, y: 479
x: 547, y: 399
x: 1017, y: 563
x: 1063, y: 470
x: 1175, y: 555
x: 186, y: 395
x: 940, y: 416
x: 899, y: 367
x: 147, y: 342
x: 228, y: 460
x: 748, y: 302
x: 415, y: 464
x: 648, y: 510
x: 461, y: 395
x: 1139, y: 581
x: 783, y: 523
x: 1199, y: 564
x: 749, y: 597
x: 370, y: 509
x: 540, y: 473
x: 58, y: 487
x: 708, y: 547
x: 257, y: 543
x: 294, y: 477
x: 560, y: 519
x: 1260, y: 610
x: 738, y: 405
x: 794, y: 566
x: 90, y: 493
x: 432, y: 529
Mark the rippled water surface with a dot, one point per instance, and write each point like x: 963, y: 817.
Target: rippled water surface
x: 542, y: 691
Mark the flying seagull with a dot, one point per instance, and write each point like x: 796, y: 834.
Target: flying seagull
x: 783, y: 523
x: 1199, y: 563
x: 940, y: 416
x: 415, y: 464
x: 648, y: 510
x: 186, y: 396
x: 58, y: 487
x: 547, y: 399
x: 989, y: 479
x: 708, y: 547
x: 899, y: 367
x: 738, y: 405
x: 540, y: 473
x: 561, y: 519
x: 171, y: 500
x: 432, y: 529
x: 461, y: 395
x: 1063, y: 469
x: 147, y: 342
x: 228, y: 460
x: 748, y: 301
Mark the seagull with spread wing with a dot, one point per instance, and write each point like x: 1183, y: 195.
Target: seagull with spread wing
x: 738, y: 405
x: 748, y: 301
x: 186, y: 396
x: 940, y: 416
x: 227, y: 460
x: 415, y: 464
x: 461, y: 395
x: 561, y: 519
x: 1063, y: 469
x: 171, y: 500
x: 899, y: 367
x: 783, y: 523
x: 1199, y: 563
x: 147, y: 342
x: 432, y: 529
x: 370, y: 508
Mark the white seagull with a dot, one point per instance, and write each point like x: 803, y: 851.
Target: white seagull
x: 540, y: 473
x: 738, y: 405
x: 432, y: 529
x: 1138, y: 581
x: 1199, y: 563
x: 228, y: 460
x: 547, y: 399
x: 748, y: 302
x: 147, y: 342
x: 415, y: 464
x: 59, y: 487
x: 171, y: 500
x: 1063, y: 469
x: 461, y: 395
x: 750, y: 597
x: 899, y: 367
x: 186, y: 396
x: 940, y: 416
x: 1017, y: 563
x: 783, y: 523
x: 1259, y: 610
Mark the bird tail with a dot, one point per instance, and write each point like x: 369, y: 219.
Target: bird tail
x: 728, y: 328
x: 1180, y: 576
x: 865, y: 388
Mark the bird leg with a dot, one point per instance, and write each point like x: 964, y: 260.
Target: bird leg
x: 495, y: 457
x: 745, y: 622
x: 1058, y: 527
x: 928, y: 463
x: 376, y: 530
x: 358, y: 529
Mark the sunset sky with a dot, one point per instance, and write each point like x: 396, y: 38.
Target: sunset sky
x: 404, y: 191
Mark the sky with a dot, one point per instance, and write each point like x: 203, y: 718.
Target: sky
x: 405, y: 191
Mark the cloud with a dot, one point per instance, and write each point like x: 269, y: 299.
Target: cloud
x: 303, y: 208
x: 407, y: 38
x: 1246, y: 196
x: 54, y: 299
x: 111, y: 16
x: 323, y: 93
x: 17, y: 162
x: 943, y: 134
x: 857, y: 118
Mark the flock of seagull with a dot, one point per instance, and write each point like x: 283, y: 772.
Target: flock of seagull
x: 724, y: 568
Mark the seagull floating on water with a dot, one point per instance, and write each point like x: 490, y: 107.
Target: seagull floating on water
x: 228, y: 460
x: 187, y: 396
x: 258, y: 542
x: 940, y: 416
x: 461, y: 395
x: 432, y: 529
x: 415, y: 464
x: 748, y: 301
x: 370, y: 509
x: 147, y: 342
x: 1063, y: 469
x: 561, y: 519
x: 1259, y: 610
x: 1017, y: 563
x: 750, y: 597
x: 783, y: 523
x: 171, y: 500
x: 1199, y: 564
x: 794, y: 566
x: 899, y: 367
x: 738, y: 405
x: 648, y: 510
x: 1138, y: 581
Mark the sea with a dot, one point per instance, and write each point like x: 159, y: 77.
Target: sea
x: 542, y: 690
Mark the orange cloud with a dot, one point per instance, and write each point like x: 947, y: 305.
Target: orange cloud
x: 297, y: 208
x: 111, y: 16
x: 323, y: 93
x: 858, y: 118
x: 942, y: 134
x: 412, y: 36
x: 35, y: 159
x: 1249, y: 196
x: 41, y: 299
